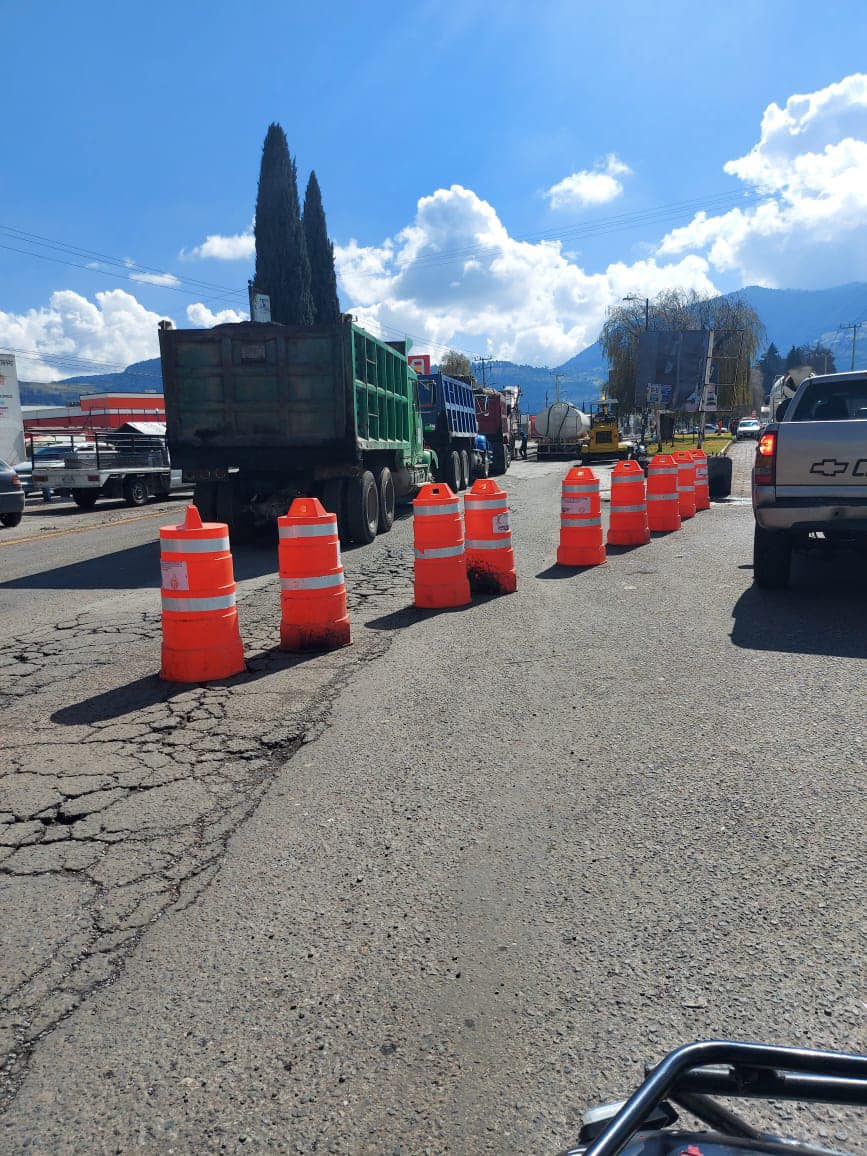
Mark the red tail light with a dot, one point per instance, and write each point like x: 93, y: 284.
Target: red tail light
x: 765, y: 469
x: 16, y: 481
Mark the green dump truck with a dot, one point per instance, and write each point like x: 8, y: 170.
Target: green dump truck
x: 257, y: 414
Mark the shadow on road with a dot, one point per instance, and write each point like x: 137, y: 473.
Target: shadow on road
x: 409, y: 615
x: 558, y: 571
x: 150, y: 690
x: 824, y: 610
x: 134, y: 568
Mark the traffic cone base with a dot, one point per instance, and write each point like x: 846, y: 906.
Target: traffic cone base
x: 581, y: 541
x: 440, y: 558
x: 663, y: 506
x: 201, y: 640
x: 490, y: 557
x: 313, y: 587
x: 628, y: 521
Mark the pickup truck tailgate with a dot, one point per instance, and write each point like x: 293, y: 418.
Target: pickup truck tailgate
x: 825, y: 456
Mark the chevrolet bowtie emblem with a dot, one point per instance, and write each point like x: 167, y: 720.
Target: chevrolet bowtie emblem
x: 829, y: 467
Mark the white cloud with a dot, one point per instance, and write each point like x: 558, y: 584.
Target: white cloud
x: 240, y: 247
x: 114, y: 329
x: 809, y: 168
x: 455, y: 276
x: 201, y: 317
x: 166, y: 280
x: 596, y: 186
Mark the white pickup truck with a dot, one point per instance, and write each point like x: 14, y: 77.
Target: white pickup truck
x: 130, y: 463
x: 810, y: 475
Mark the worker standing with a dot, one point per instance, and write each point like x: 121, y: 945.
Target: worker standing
x: 524, y: 443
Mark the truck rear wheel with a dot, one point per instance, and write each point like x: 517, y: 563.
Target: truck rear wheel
x: 334, y: 501
x: 135, y: 492
x: 466, y: 475
x: 387, y: 499
x: 362, y: 508
x: 772, y: 559
x: 452, y: 470
x: 229, y: 510
x: 84, y: 499
x: 205, y: 500
x: 500, y: 461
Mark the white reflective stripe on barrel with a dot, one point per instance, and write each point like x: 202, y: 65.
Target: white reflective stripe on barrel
x: 660, y: 470
x: 672, y: 497
x: 321, y: 582
x: 198, y: 605
x: 194, y: 545
x: 628, y: 509
x: 591, y: 489
x: 496, y: 544
x: 627, y: 478
x: 440, y: 552
x: 445, y: 508
x: 585, y: 521
x: 686, y: 489
x: 485, y: 503
x: 317, y: 530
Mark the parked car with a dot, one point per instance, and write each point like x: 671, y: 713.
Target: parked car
x: 748, y: 427
x: 710, y: 429
x: 11, y: 496
x: 44, y: 456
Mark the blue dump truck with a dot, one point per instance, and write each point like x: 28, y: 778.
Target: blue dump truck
x: 448, y: 414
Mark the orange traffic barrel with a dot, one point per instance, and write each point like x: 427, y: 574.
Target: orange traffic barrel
x: 201, y: 640
x: 702, y: 493
x: 440, y: 559
x: 490, y: 558
x: 685, y: 483
x: 581, y: 542
x: 627, y: 525
x: 663, y: 501
x: 312, y: 586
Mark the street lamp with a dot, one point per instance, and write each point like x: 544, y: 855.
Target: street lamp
x: 646, y: 301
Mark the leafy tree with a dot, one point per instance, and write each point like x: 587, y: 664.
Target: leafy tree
x: 820, y: 357
x: 456, y: 364
x: 282, y: 266
x: 738, y: 336
x: 795, y: 357
x: 771, y: 364
x: 320, y: 251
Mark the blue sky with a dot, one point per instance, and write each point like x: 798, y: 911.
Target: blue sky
x: 134, y: 131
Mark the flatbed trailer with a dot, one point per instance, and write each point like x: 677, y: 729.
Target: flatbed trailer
x: 131, y: 463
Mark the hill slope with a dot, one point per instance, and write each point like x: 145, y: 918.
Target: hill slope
x: 791, y: 317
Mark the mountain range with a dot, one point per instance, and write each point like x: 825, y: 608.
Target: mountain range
x: 790, y: 316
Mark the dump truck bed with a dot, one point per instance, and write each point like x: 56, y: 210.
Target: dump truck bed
x: 274, y: 396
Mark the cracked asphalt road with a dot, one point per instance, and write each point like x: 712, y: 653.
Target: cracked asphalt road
x: 442, y: 889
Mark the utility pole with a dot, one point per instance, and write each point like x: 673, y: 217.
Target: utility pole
x: 855, y: 326
x: 483, y: 362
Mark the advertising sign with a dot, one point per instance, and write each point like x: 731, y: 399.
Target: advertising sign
x: 420, y: 362
x: 11, y: 425
x: 676, y: 363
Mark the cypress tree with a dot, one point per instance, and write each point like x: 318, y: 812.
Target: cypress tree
x: 282, y: 265
x: 323, y: 279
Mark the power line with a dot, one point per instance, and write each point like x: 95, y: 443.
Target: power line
x: 124, y: 264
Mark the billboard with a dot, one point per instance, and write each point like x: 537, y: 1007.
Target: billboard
x: 673, y: 368
x: 11, y: 425
x: 420, y: 362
